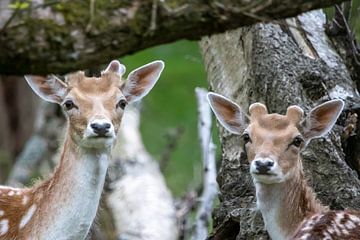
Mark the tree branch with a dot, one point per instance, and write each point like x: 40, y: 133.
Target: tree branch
x: 56, y: 39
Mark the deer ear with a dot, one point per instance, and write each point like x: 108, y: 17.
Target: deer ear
x: 228, y: 113
x: 50, y: 89
x: 141, y: 81
x: 115, y: 66
x: 321, y: 119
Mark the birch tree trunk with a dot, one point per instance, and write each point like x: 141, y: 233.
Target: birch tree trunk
x: 140, y: 202
x: 279, y: 66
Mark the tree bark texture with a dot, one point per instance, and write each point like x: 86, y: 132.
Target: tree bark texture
x: 63, y: 36
x: 279, y: 66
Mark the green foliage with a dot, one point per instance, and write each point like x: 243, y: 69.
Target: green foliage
x: 171, y: 105
x: 19, y: 5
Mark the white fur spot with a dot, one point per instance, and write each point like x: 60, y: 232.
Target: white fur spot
x: 4, y: 226
x: 354, y: 218
x: 345, y: 231
x: 305, y: 236
x: 25, y: 200
x: 26, y: 218
x: 350, y: 225
x: 18, y: 193
x: 336, y: 229
x: 2, y: 213
x: 11, y: 193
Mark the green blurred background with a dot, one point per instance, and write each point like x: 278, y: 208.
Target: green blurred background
x: 169, y: 113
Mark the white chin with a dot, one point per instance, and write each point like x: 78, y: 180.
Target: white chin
x: 97, y: 143
x: 266, y: 179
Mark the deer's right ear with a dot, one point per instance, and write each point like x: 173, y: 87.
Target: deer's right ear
x: 228, y: 113
x: 50, y: 89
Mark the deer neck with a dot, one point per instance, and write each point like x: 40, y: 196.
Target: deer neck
x: 285, y: 205
x: 71, y: 196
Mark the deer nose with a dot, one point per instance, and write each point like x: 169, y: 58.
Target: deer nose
x: 263, y: 166
x: 101, y: 129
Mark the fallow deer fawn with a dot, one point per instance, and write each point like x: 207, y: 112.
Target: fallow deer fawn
x: 64, y: 206
x: 273, y: 144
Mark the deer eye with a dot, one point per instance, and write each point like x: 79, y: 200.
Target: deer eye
x: 246, y: 138
x: 69, y: 104
x: 297, y: 141
x: 121, y: 104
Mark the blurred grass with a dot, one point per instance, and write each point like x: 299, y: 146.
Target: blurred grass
x: 172, y: 105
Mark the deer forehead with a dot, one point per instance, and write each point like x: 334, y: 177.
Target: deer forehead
x: 94, y: 85
x: 274, y: 128
x: 258, y: 112
x: 89, y: 99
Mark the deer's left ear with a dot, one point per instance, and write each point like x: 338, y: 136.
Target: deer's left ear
x: 321, y: 119
x: 141, y: 81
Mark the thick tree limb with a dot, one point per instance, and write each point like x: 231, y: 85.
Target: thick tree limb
x: 208, y: 148
x: 63, y: 36
x: 139, y: 200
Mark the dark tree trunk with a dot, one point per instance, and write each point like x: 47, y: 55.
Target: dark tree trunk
x: 279, y: 66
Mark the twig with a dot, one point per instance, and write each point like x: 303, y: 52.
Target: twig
x: 184, y: 207
x: 346, y: 9
x: 208, y: 153
x: 172, y: 137
x: 340, y: 24
x: 91, y: 13
x: 7, y: 23
x: 153, y: 16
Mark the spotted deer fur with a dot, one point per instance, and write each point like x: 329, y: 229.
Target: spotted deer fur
x: 64, y: 206
x: 273, y: 143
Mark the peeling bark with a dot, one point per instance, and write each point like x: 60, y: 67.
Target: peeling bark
x: 63, y: 36
x: 266, y: 63
x: 208, y: 149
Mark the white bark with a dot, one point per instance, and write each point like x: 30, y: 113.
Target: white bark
x: 141, y: 204
x: 208, y: 148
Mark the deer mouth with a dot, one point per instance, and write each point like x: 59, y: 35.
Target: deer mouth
x: 100, y: 137
x: 265, y: 174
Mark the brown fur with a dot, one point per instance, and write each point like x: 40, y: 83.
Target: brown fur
x: 298, y: 201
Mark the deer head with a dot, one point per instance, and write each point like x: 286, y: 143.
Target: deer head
x: 94, y: 106
x: 273, y: 141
